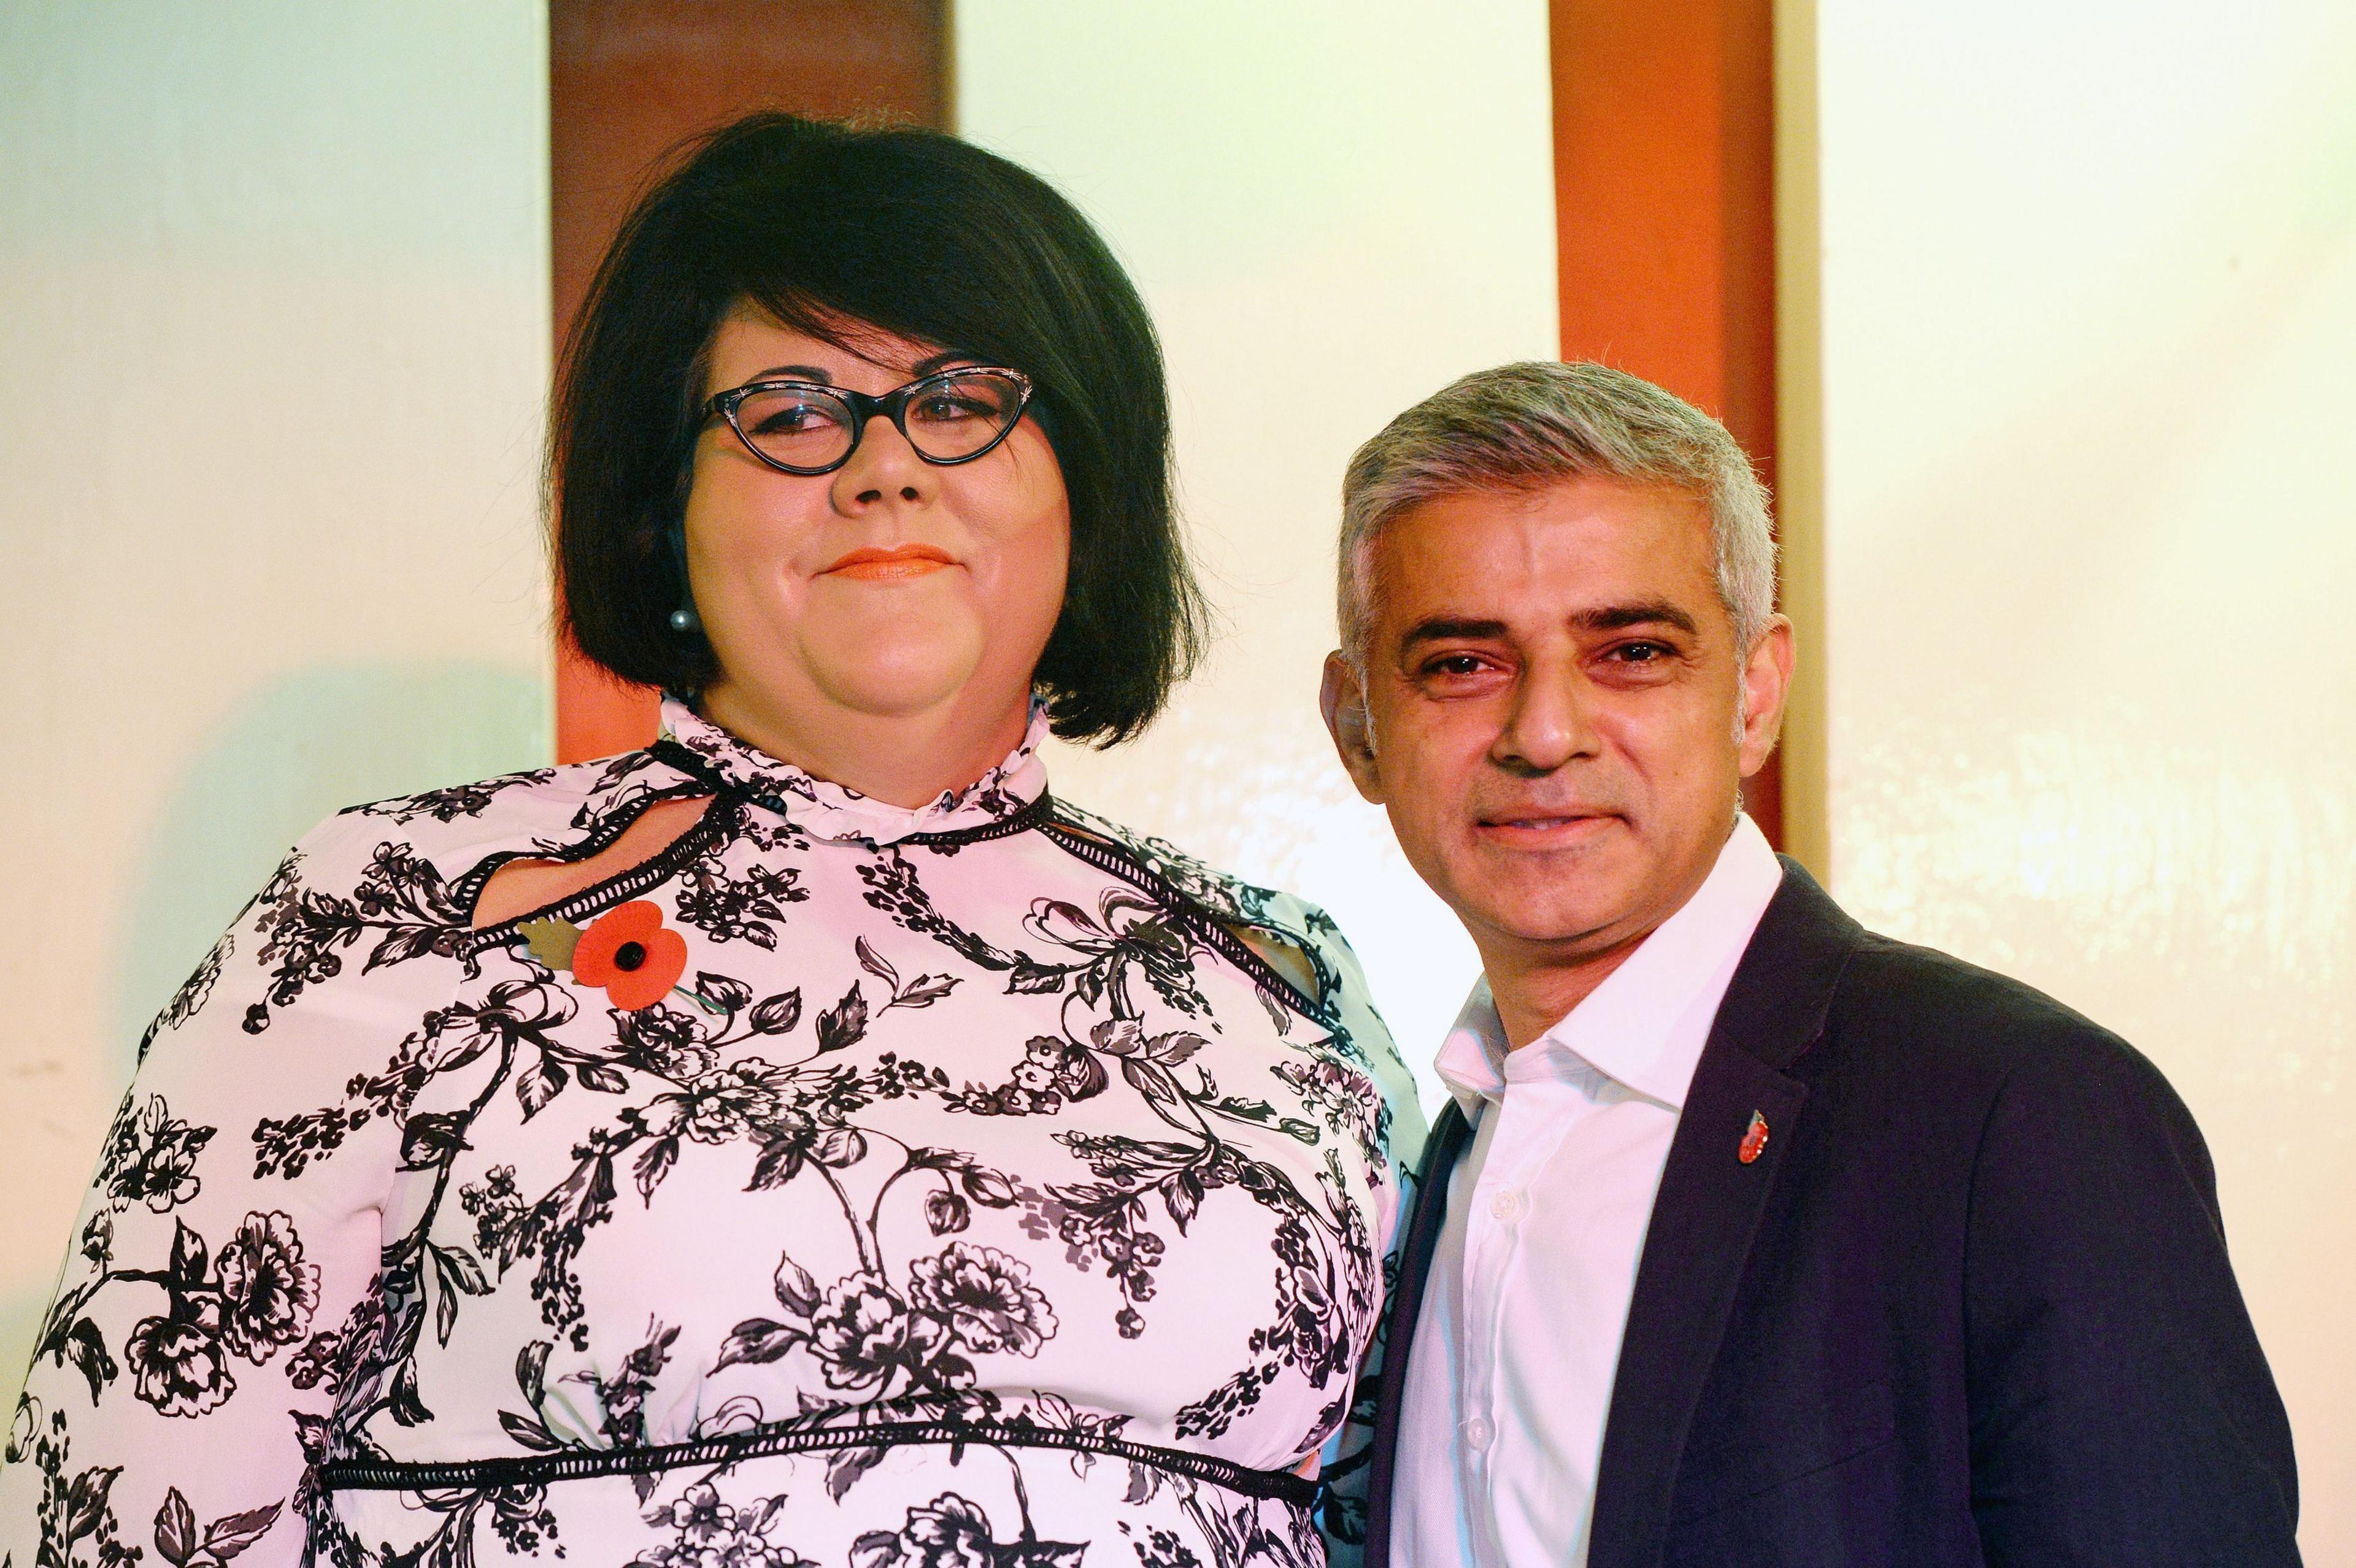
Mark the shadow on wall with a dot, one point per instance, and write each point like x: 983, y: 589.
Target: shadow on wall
x: 303, y: 747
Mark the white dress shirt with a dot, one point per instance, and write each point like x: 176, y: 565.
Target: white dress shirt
x: 1510, y: 1376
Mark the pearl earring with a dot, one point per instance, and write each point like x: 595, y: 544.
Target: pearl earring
x: 683, y: 619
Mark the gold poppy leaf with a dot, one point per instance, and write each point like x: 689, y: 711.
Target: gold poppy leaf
x: 552, y: 941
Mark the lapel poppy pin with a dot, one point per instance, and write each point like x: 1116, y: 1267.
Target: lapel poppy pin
x: 1754, y: 1139
x: 627, y: 953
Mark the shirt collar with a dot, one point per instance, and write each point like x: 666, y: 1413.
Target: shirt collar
x: 826, y: 810
x: 1471, y: 1060
x: 1645, y: 1025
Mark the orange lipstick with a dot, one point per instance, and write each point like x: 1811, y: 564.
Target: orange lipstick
x: 900, y: 562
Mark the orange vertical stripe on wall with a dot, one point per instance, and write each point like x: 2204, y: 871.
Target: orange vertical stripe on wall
x: 628, y: 80
x: 1664, y: 207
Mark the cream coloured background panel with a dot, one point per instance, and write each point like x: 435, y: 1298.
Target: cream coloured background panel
x: 274, y: 340
x: 2088, y: 310
x: 1332, y: 210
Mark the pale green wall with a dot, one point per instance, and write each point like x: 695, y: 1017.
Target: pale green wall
x: 274, y: 339
x: 2089, y: 308
x: 1332, y: 210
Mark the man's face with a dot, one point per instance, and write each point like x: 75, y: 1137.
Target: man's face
x: 1549, y: 710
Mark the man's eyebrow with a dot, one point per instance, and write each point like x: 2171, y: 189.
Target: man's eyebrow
x: 1604, y: 618
x: 1445, y: 628
x: 1644, y: 612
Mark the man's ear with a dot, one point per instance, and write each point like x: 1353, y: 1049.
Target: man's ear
x: 1342, y: 699
x: 1766, y: 681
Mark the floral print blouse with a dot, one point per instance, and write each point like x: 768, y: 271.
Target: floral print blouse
x: 844, y: 1185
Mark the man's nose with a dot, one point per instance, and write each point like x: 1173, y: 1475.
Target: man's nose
x: 882, y: 467
x: 1546, y: 727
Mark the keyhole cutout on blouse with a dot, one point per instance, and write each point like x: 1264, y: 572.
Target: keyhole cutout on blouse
x: 520, y: 887
x: 1284, y: 957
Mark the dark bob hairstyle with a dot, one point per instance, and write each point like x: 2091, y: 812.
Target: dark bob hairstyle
x: 832, y: 230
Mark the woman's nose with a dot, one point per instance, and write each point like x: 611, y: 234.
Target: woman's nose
x: 882, y: 465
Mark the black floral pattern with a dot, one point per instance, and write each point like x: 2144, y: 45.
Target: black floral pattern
x: 192, y: 993
x: 951, y: 1532
x: 709, y: 1533
x: 73, y: 1519
x: 986, y: 1298
x: 152, y: 1160
x: 450, y: 803
x: 181, y: 1364
x: 400, y: 904
x: 947, y: 1114
x: 745, y: 905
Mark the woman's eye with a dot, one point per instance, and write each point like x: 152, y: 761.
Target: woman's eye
x: 942, y: 408
x: 793, y: 418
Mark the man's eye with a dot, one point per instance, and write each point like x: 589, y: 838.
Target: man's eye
x: 1642, y: 653
x: 1456, y: 663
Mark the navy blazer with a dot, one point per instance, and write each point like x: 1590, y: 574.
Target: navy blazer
x: 1969, y: 1304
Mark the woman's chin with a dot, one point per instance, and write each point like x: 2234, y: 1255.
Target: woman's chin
x: 898, y: 683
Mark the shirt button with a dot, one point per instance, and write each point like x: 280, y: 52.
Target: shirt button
x: 1507, y: 1204
x: 1478, y: 1432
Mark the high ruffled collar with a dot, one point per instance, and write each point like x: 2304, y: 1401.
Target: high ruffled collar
x: 826, y: 810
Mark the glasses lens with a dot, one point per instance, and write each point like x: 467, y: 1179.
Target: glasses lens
x: 958, y: 414
x: 801, y: 427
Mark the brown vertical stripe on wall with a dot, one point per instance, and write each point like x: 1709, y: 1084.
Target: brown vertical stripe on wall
x: 628, y: 80
x: 1664, y: 207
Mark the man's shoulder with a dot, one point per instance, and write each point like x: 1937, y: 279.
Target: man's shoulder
x: 1943, y: 1065
x: 1944, y: 1022
x: 1903, y: 983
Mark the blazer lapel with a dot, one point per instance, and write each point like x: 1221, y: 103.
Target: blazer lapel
x: 1705, y: 1215
x: 1451, y: 1135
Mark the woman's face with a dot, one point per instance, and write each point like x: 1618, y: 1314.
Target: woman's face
x: 891, y: 588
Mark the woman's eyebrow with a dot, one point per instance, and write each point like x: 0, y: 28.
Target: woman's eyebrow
x: 923, y: 368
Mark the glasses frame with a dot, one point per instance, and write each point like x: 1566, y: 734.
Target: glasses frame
x: 892, y: 405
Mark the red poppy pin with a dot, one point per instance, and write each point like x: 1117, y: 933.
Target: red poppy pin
x: 627, y: 952
x: 1754, y: 1139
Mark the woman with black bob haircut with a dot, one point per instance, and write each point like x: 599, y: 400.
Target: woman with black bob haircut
x: 843, y: 234
x: 804, y: 1140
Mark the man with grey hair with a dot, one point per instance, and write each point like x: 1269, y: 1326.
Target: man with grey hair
x: 1748, y: 1236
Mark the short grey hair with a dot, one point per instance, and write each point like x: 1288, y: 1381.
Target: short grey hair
x: 1526, y: 426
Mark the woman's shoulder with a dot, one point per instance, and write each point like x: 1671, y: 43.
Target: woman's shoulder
x: 1229, y: 897
x: 1286, y: 916
x: 456, y: 830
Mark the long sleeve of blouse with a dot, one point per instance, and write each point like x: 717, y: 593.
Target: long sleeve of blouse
x: 225, y: 1271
